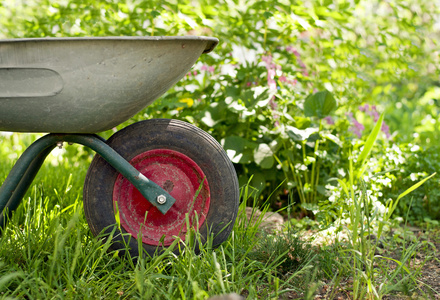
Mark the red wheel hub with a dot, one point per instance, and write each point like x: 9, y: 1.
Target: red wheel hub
x: 181, y: 177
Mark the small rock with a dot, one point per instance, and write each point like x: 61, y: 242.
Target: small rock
x: 232, y: 296
x: 272, y: 221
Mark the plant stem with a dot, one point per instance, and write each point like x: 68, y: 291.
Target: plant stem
x: 298, y: 184
x: 312, y: 183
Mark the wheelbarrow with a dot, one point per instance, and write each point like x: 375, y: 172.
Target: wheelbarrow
x: 153, y: 180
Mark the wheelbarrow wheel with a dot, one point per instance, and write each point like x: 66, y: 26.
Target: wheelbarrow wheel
x: 186, y: 162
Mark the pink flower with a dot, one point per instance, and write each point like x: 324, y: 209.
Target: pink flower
x: 372, y: 111
x: 267, y: 59
x: 272, y: 103
x: 364, y: 108
x: 375, y: 115
x: 283, y: 78
x: 271, y: 73
x: 290, y: 49
x: 356, y: 127
x: 329, y: 120
x: 270, y: 67
x: 272, y: 84
x: 276, y: 118
x: 207, y: 68
x: 386, y: 129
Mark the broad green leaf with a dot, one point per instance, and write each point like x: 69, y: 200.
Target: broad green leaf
x: 154, y: 13
x: 258, y: 181
x: 302, y: 122
x: 299, y: 135
x: 267, y: 14
x: 238, y: 149
x: 263, y: 156
x: 320, y: 104
x: 331, y: 137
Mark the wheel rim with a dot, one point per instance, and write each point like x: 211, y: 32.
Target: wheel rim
x: 181, y: 177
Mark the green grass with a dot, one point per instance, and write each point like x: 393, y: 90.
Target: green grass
x: 48, y: 252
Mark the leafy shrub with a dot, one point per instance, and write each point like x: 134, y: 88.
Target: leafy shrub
x: 408, y: 164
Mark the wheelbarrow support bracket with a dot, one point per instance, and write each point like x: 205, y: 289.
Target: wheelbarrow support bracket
x: 28, y: 165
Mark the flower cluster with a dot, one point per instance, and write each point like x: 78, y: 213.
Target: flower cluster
x: 271, y: 71
x: 193, y: 73
x: 209, y: 69
x: 357, y: 128
x: 329, y: 120
x: 371, y: 110
x: 205, y: 68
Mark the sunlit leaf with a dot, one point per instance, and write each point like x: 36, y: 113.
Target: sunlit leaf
x: 320, y: 104
x: 263, y: 156
x: 299, y: 135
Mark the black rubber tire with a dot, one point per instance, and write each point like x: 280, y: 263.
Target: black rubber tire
x: 175, y: 135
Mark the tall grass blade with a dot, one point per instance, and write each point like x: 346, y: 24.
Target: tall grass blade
x: 369, y: 144
x: 412, y: 188
x: 415, y: 186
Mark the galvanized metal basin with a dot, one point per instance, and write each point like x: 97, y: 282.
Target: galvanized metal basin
x: 88, y: 85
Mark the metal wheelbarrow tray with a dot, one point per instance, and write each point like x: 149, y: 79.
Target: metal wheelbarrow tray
x: 154, y: 179
x: 87, y: 85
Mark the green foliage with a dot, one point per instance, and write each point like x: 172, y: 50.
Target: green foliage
x: 408, y: 164
x: 269, y: 91
x: 284, y: 93
x: 363, y: 219
x: 319, y: 105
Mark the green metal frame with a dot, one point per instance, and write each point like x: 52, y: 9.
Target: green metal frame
x: 30, y: 162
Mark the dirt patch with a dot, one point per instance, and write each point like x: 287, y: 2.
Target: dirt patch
x: 430, y: 275
x: 425, y: 261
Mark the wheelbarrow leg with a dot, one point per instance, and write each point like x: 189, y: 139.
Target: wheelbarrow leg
x: 28, y: 165
x: 20, y: 178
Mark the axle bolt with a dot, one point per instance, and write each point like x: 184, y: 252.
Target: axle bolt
x: 161, y: 199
